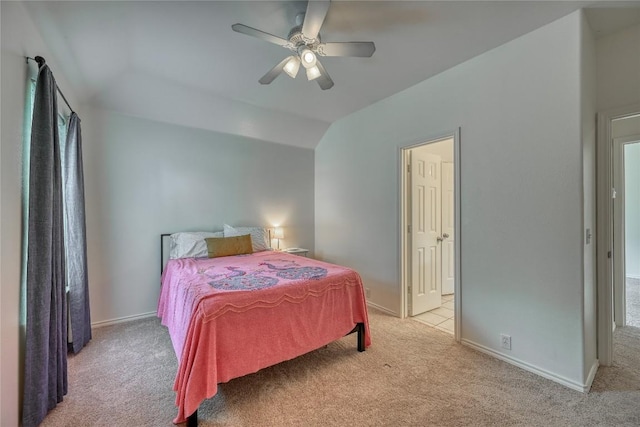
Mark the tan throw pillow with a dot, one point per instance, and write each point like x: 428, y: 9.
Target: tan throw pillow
x: 226, y: 246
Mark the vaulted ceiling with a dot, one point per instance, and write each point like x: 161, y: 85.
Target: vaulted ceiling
x: 180, y: 62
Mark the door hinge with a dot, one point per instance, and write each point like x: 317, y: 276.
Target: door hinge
x: 408, y: 168
x: 609, y: 254
x: 409, y: 228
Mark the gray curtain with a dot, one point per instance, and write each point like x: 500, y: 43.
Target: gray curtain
x: 75, y: 237
x: 45, y: 376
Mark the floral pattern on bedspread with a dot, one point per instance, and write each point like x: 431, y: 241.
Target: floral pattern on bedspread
x: 238, y: 279
x: 297, y: 273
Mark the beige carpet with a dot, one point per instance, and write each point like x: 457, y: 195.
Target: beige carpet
x: 413, y: 375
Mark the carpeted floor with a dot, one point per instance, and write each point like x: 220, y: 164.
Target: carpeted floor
x: 413, y: 375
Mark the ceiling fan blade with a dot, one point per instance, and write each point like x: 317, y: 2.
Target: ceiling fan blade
x: 314, y: 17
x: 240, y: 28
x: 274, y: 72
x: 361, y: 49
x: 324, y: 81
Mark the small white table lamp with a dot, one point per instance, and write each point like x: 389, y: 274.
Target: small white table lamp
x: 278, y: 234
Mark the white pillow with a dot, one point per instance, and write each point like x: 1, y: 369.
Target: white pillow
x: 259, y: 236
x: 191, y: 244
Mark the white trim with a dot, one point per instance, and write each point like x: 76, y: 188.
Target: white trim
x: 619, y: 309
x: 583, y: 388
x: 125, y: 319
x: 381, y: 308
x: 592, y: 374
x: 402, y: 223
x: 603, y: 241
x: 457, y: 208
x: 604, y: 235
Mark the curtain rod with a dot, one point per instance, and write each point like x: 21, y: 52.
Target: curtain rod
x: 41, y: 61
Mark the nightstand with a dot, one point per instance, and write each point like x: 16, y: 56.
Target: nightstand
x: 297, y: 251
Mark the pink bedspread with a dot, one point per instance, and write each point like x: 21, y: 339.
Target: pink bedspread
x: 232, y: 316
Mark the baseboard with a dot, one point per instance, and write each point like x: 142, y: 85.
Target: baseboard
x: 109, y: 322
x: 592, y: 374
x: 583, y: 388
x: 381, y: 308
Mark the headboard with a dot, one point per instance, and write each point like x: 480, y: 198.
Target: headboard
x: 164, y: 254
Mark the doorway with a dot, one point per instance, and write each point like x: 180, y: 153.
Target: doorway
x: 618, y: 132
x: 632, y: 231
x: 626, y: 223
x: 430, y: 233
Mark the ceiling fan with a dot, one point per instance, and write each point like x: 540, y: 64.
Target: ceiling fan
x: 305, y: 43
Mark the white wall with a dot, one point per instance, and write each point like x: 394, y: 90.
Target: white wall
x: 20, y: 38
x: 632, y: 209
x: 618, y: 68
x: 146, y: 95
x: 519, y: 109
x: 144, y: 178
x: 588, y: 107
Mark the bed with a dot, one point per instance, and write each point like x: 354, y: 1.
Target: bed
x: 234, y: 315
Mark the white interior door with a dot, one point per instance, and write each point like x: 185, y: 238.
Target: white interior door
x: 425, y: 223
x: 448, y: 221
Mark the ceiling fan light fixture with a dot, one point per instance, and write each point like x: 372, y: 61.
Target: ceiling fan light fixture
x: 292, y: 67
x: 306, y: 44
x: 313, y: 73
x: 308, y: 58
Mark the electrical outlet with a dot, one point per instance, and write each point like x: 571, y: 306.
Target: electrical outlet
x: 367, y: 292
x: 505, y: 341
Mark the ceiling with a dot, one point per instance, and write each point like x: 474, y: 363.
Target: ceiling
x: 180, y: 62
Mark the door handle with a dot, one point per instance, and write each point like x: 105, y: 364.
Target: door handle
x: 444, y: 236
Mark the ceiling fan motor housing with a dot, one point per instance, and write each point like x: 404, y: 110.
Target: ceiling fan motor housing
x: 297, y: 39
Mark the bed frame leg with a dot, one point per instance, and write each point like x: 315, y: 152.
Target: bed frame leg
x: 361, y: 337
x: 192, y: 420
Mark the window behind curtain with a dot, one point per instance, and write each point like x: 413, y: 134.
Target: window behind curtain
x: 63, y: 121
x: 30, y: 94
x: 62, y: 130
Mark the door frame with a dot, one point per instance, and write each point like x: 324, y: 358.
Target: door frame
x: 604, y: 232
x: 402, y: 223
x: 619, y: 236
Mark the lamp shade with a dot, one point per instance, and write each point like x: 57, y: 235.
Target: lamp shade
x: 278, y: 233
x: 313, y: 73
x: 292, y: 67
